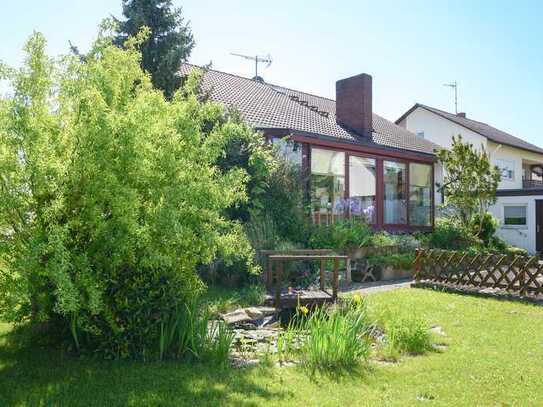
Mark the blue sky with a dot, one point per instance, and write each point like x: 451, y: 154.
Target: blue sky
x: 494, y: 49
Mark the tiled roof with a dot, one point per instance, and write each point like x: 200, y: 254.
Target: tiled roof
x: 267, y: 106
x: 481, y: 128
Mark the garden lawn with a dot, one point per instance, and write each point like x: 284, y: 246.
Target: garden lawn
x: 494, y: 357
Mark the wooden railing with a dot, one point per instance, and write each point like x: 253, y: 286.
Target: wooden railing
x: 328, y: 218
x: 517, y: 274
x: 268, y: 273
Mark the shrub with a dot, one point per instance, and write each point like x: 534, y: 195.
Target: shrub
x: 341, y: 235
x: 282, y: 202
x: 112, y: 197
x: 399, y: 261
x: 274, y: 216
x: 516, y: 251
x: 381, y: 239
x: 450, y: 234
x: 334, y: 339
x: 407, y: 243
x: 485, y: 229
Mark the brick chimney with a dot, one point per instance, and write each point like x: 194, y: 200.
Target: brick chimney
x: 354, y: 104
x: 461, y: 114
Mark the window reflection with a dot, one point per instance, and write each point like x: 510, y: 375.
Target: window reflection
x: 362, y: 188
x: 327, y: 182
x: 289, y: 149
x: 395, y: 203
x: 420, y: 190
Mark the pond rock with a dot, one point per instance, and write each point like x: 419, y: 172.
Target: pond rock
x: 236, y: 317
x: 259, y: 312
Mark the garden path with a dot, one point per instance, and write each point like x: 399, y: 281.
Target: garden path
x: 375, y: 286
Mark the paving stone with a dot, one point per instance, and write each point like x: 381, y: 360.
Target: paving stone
x: 438, y: 330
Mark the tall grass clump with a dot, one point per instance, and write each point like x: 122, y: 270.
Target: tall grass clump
x: 407, y: 333
x: 334, y: 339
x: 191, y: 334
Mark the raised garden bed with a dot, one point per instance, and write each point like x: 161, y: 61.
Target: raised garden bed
x: 381, y: 263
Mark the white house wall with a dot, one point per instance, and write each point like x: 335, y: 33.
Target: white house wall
x: 516, y: 156
x: 440, y: 130
x: 520, y: 236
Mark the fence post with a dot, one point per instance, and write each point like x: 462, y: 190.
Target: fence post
x: 335, y: 280
x: 269, y: 272
x: 418, y: 254
x: 348, y: 272
x: 278, y: 283
x: 322, y: 276
x: 522, y: 277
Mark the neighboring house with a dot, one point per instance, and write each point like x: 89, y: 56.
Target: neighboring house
x: 520, y: 192
x: 357, y: 163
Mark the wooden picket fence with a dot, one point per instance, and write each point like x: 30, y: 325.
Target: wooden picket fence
x: 521, y: 275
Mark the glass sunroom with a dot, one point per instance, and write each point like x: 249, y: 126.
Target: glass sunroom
x: 387, y: 193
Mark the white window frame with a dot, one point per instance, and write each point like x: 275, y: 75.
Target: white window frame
x: 506, y: 167
x: 523, y: 205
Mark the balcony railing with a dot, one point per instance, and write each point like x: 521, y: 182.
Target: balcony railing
x: 532, y: 184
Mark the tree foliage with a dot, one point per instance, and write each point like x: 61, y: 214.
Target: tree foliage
x: 470, y: 181
x: 169, y: 44
x: 110, y: 195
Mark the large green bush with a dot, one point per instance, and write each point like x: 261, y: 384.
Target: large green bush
x: 110, y: 196
x: 283, y: 200
x: 274, y: 214
x: 485, y: 228
x: 450, y: 234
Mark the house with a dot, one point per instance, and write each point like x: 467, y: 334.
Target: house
x: 358, y: 164
x: 520, y: 192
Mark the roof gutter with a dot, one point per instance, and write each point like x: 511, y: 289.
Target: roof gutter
x: 318, y: 140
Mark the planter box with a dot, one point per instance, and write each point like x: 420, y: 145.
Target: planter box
x: 390, y: 273
x: 360, y: 252
x: 362, y: 272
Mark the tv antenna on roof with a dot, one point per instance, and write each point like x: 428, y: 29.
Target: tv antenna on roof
x: 454, y: 85
x: 267, y: 60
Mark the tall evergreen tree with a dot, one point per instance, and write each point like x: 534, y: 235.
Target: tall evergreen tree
x: 169, y: 44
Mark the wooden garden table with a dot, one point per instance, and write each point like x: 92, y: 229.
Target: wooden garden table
x: 281, y: 259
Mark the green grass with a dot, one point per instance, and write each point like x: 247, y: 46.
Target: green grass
x: 494, y: 357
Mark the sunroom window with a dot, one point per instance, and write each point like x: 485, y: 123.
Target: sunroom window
x: 420, y: 194
x: 289, y: 150
x: 362, y: 188
x: 395, y: 200
x: 327, y: 181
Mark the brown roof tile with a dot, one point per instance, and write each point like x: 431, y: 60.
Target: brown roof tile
x: 481, y: 128
x: 267, y: 106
